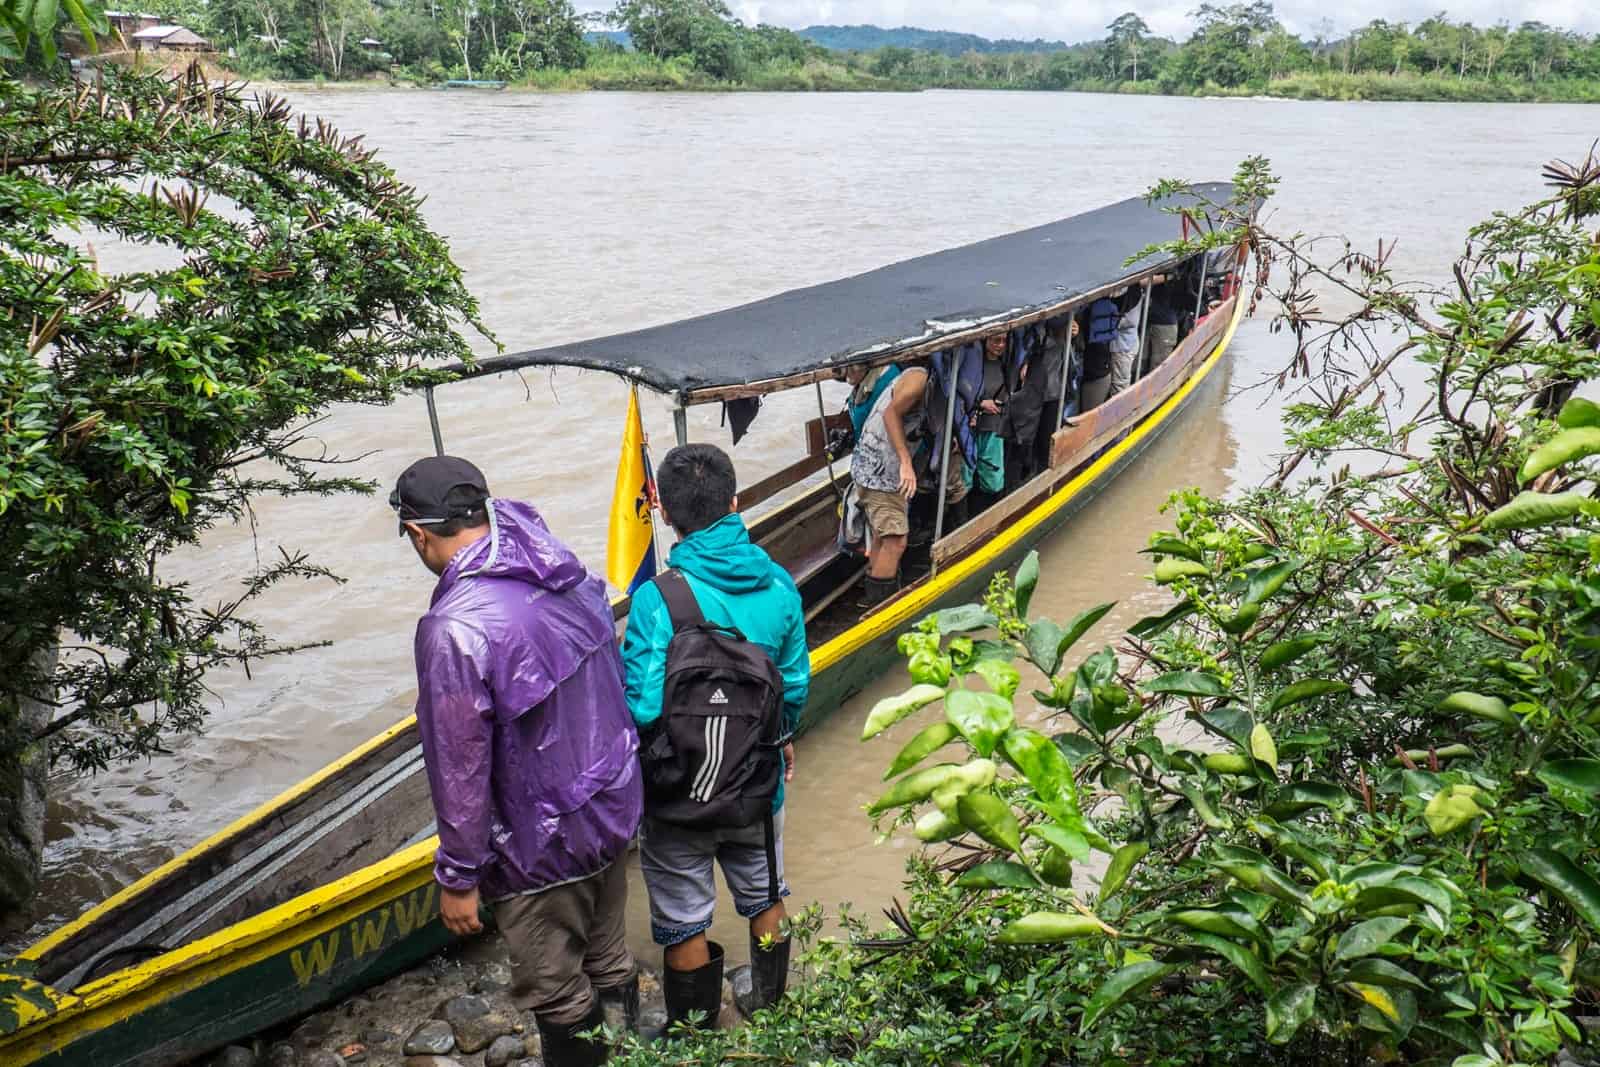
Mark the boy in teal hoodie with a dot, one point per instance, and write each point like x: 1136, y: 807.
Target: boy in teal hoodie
x: 736, y: 584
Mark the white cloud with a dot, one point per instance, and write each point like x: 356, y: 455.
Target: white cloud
x: 1086, y: 20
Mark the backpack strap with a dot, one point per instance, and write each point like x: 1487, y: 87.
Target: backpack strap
x: 682, y: 606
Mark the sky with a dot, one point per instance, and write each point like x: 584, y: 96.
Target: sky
x: 1080, y: 20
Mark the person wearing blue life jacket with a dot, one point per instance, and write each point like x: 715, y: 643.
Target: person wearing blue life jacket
x: 867, y: 386
x: 1100, y: 330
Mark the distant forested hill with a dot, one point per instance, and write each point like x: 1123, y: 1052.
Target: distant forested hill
x: 872, y: 38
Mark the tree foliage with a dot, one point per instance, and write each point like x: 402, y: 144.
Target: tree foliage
x: 282, y: 269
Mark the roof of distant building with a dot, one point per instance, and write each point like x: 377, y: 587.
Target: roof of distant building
x: 170, y: 35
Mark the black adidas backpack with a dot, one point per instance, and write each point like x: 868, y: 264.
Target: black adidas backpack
x: 714, y: 758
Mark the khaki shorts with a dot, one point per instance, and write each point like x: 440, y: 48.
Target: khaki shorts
x: 888, y: 514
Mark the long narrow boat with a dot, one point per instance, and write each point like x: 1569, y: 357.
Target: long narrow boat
x: 328, y: 888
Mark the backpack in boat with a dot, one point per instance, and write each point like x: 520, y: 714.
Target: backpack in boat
x: 713, y: 760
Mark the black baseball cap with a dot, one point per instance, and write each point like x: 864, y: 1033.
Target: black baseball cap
x: 436, y: 490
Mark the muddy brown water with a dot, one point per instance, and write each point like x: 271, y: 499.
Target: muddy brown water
x: 586, y: 214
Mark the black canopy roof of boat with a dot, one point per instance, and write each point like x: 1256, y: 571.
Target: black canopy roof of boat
x: 873, y: 316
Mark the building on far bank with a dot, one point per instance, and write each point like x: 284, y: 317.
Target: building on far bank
x: 128, y: 23
x: 168, y: 38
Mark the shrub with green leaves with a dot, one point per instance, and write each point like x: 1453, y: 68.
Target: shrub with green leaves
x: 1340, y: 802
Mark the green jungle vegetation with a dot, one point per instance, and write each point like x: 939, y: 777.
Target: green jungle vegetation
x: 1340, y: 803
x: 1234, y: 49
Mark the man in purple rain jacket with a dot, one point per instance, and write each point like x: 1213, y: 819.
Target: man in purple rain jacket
x: 529, y: 748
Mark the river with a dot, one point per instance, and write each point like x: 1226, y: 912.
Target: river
x: 580, y: 215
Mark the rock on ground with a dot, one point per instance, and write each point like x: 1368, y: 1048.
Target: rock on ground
x: 504, y: 1050
x: 431, y: 1038
x: 233, y: 1056
x: 475, y: 1022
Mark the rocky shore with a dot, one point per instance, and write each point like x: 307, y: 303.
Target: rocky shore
x: 454, y: 1010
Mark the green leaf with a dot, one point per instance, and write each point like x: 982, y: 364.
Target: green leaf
x: 1076, y: 747
x: 1365, y: 938
x: 913, y: 788
x: 991, y: 818
x: 1171, y: 546
x: 1452, y: 808
x: 964, y: 619
x: 1288, y: 1010
x: 1578, y: 412
x: 1262, y: 747
x: 1081, y: 625
x: 1154, y: 625
x: 1048, y: 927
x: 1479, y: 706
x: 890, y: 710
x: 1529, y: 509
x: 1043, y: 642
x: 1302, y: 796
x: 1305, y: 690
x: 1286, y: 652
x: 936, y: 825
x: 1268, y: 580
x: 1204, y: 808
x: 982, y: 718
x: 1186, y: 683
x: 1027, y: 581
x: 1579, y: 775
x: 1406, y: 890
x: 1224, y: 922
x: 1238, y: 955
x: 1170, y: 570
x: 1130, y: 981
x: 920, y: 747
x: 1231, y: 723
x: 1567, y: 880
x: 1002, y: 677
x: 1046, y: 769
x: 1067, y: 840
x: 997, y: 874
x: 1565, y: 447
x: 1123, y: 861
x: 1375, y: 971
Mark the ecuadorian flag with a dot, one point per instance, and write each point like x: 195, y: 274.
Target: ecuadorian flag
x: 630, y: 545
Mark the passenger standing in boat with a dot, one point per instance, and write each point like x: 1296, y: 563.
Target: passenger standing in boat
x: 883, y: 477
x: 734, y: 585
x: 1102, y: 330
x: 1125, y: 344
x: 989, y: 479
x: 1163, y: 321
x: 529, y: 748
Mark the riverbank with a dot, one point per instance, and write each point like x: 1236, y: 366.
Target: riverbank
x: 634, y: 72
x: 452, y: 1010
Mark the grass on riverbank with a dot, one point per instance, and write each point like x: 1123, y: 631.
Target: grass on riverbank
x: 1337, y: 86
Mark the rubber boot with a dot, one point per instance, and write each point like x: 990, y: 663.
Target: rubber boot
x: 769, y: 972
x: 564, y: 1048
x: 699, y: 990
x: 622, y: 1001
x: 875, y: 591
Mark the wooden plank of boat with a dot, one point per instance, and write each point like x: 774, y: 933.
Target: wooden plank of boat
x: 281, y: 943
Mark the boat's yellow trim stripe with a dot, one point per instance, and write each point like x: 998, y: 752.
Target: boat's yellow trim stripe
x: 922, y: 598
x: 234, y: 829
x: 126, y: 993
